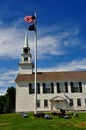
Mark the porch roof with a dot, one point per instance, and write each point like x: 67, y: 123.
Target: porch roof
x: 57, y: 98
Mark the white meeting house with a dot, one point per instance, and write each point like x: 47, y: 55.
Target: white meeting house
x: 55, y: 90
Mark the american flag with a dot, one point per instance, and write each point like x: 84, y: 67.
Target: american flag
x: 29, y: 19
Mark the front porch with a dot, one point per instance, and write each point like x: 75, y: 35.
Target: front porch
x: 58, y: 103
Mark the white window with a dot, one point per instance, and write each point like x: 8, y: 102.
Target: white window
x: 32, y: 88
x: 45, y: 103
x: 62, y: 87
x: 76, y: 87
x: 71, y: 102
x: 78, y: 102
x: 48, y: 87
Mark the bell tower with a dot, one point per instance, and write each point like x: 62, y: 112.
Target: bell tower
x: 26, y: 66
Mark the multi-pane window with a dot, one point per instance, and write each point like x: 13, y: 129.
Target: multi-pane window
x: 71, y: 102
x: 45, y: 103
x: 76, y: 87
x: 32, y: 89
x: 48, y: 88
x: 62, y: 87
x: 38, y: 103
x: 78, y: 102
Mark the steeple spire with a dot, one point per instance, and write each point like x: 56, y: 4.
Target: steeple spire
x: 26, y: 38
x: 26, y: 50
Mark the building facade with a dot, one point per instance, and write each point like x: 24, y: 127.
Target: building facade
x: 55, y: 90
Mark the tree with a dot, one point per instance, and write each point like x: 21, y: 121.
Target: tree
x: 10, y: 99
x: 2, y: 104
x: 7, y: 101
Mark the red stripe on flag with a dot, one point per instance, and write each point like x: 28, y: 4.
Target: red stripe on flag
x: 29, y: 19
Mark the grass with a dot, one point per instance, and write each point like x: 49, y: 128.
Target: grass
x: 16, y: 122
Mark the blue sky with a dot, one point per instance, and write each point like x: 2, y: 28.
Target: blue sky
x: 61, y: 36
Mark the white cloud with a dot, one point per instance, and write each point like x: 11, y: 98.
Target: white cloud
x: 7, y: 76
x: 79, y: 64
x: 11, y: 40
x: 54, y: 43
x: 58, y: 43
x: 2, y: 91
x: 49, y: 45
x: 7, y: 79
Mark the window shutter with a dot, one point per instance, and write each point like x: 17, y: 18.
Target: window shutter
x: 44, y: 89
x: 58, y: 88
x: 52, y: 88
x: 66, y: 87
x: 80, y: 86
x: 38, y: 88
x: 72, y: 87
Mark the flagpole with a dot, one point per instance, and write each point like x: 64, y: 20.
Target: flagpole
x: 35, y: 56
x: 30, y: 19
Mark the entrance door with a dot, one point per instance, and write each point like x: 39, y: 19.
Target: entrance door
x: 63, y: 104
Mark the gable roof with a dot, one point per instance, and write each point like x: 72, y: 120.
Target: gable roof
x: 52, y: 76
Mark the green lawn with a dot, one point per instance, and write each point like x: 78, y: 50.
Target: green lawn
x: 16, y: 122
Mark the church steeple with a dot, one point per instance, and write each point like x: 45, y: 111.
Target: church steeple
x: 26, y: 56
x: 26, y: 65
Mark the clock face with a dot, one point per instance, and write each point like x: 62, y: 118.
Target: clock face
x: 25, y: 50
